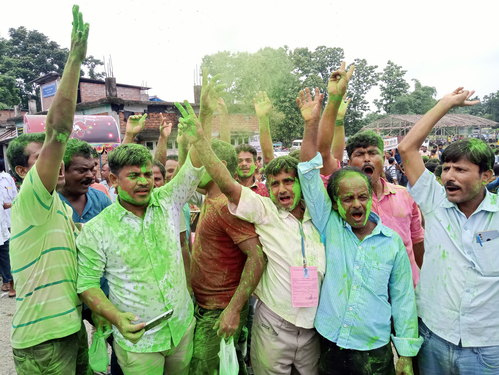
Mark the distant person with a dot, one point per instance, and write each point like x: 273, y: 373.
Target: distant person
x: 493, y: 187
x: 107, y: 183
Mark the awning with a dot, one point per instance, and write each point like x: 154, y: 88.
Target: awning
x: 9, y: 134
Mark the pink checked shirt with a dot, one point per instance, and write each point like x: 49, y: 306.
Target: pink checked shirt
x: 399, y: 212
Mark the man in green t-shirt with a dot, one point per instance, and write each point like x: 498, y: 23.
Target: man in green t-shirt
x: 47, y: 331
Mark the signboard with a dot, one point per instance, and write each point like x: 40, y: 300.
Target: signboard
x: 49, y: 89
x: 92, y: 129
x: 255, y: 142
x: 19, y: 130
x: 391, y: 143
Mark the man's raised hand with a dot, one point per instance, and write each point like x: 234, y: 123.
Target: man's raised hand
x: 338, y: 83
x: 221, y: 107
x: 79, y: 36
x: 310, y: 108
x: 262, y: 104
x: 189, y: 126
x: 135, y: 125
x: 165, y: 129
x: 343, y: 107
x: 210, y: 92
x: 459, y: 98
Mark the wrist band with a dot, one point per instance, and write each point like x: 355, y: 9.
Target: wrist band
x: 339, y: 122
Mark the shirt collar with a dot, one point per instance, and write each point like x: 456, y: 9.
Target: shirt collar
x: 283, y: 214
x: 120, y: 211
x: 387, y: 187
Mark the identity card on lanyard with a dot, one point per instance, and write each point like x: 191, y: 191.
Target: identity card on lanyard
x: 304, y: 282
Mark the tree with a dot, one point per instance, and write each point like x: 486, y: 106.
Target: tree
x: 363, y: 79
x: 418, y: 102
x: 29, y: 54
x: 393, y: 85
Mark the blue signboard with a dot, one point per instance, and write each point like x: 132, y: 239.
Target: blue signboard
x: 49, y: 89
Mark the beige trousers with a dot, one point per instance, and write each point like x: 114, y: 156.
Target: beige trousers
x: 175, y: 361
x: 281, y: 348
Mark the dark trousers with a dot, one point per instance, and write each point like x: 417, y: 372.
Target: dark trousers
x: 5, y: 263
x: 337, y: 361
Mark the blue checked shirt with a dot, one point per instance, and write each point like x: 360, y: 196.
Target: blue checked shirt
x: 354, y: 311
x: 458, y: 292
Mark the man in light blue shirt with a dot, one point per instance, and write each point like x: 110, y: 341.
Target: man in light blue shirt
x: 458, y: 291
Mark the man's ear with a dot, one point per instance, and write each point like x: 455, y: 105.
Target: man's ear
x: 224, y: 163
x: 348, y: 161
x: 335, y: 205
x: 487, y: 176
x: 21, y: 171
x: 114, y: 179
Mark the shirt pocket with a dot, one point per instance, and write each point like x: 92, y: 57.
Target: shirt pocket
x: 487, y: 257
x: 379, y: 277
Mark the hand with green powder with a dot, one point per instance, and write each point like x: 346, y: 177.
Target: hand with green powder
x: 262, y: 105
x: 228, y: 322
x: 131, y: 332
x: 343, y: 108
x: 134, y: 126
x: 210, y: 93
x: 310, y: 108
x: 338, y: 83
x: 100, y: 322
x: 165, y: 129
x: 404, y: 366
x: 189, y: 125
x: 79, y: 36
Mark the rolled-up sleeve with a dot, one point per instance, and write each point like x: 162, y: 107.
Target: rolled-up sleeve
x: 252, y: 207
x: 427, y: 192
x: 315, y: 195
x: 91, y: 260
x: 403, y: 301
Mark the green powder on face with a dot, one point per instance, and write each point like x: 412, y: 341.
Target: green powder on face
x: 241, y: 173
x: 296, y: 192
x: 368, y: 210
x: 341, y: 210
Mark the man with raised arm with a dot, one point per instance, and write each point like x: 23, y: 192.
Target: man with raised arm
x: 135, y: 244
x: 366, y: 265
x: 283, y: 334
x: 48, y: 335
x: 458, y: 291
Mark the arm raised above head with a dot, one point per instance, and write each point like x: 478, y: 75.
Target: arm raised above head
x: 262, y: 107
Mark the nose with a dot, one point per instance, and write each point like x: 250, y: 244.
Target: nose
x: 356, y: 203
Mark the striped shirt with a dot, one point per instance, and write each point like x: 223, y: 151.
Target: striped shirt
x: 354, y: 311
x: 43, y: 261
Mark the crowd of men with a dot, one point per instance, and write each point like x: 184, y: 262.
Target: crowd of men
x: 318, y: 270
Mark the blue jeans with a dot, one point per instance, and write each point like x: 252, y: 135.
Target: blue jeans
x: 5, y: 263
x: 438, y: 356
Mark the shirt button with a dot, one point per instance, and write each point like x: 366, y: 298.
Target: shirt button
x: 351, y: 308
x: 357, y: 267
x: 344, y: 325
x: 354, y: 287
x: 467, y: 290
x: 469, y: 252
x: 462, y: 314
x: 360, y: 247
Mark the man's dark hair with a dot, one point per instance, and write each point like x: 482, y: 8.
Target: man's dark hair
x: 76, y: 147
x: 16, y: 153
x: 225, y: 151
x: 431, y: 166
x: 433, y: 160
x: 474, y: 150
x: 128, y: 154
x: 496, y: 170
x: 162, y: 169
x: 295, y: 154
x: 246, y: 148
x: 391, y: 160
x: 333, y: 184
x: 286, y: 162
x: 103, y: 165
x: 438, y: 171
x: 363, y: 140
x: 172, y: 157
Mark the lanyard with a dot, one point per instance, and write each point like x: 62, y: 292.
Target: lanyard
x: 303, y: 246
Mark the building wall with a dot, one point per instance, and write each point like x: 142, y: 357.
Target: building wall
x: 90, y: 92
x: 47, y: 102
x: 128, y: 93
x: 6, y: 114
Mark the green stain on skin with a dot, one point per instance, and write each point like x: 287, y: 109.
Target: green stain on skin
x: 296, y: 192
x: 62, y: 137
x: 251, y: 171
x: 127, y: 198
x: 368, y: 210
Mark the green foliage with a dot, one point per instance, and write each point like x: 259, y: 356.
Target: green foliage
x: 29, y: 54
x: 487, y: 108
x: 393, y: 85
x: 418, y: 102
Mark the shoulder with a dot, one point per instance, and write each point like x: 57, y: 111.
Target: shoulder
x: 98, y: 196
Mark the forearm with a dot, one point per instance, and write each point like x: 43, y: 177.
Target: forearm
x: 224, y: 127
x: 418, y: 249
x: 60, y: 118
x: 97, y: 301
x: 309, y: 145
x: 183, y: 151
x: 206, y: 119
x: 129, y: 138
x: 266, y: 139
x: 186, y: 256
x: 326, y: 131
x: 161, y: 150
x: 338, y: 140
x: 252, y: 272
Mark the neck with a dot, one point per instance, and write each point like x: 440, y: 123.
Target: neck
x: 378, y: 187
x: 108, y: 182
x: 139, y: 211
x: 365, y: 231
x: 298, y: 211
x: 468, y: 207
x: 212, y: 190
x: 71, y: 196
x: 246, y: 181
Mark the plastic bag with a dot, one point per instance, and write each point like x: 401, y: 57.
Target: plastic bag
x: 228, y: 357
x: 97, y: 354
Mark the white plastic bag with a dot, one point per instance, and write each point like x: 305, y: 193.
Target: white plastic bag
x: 228, y: 357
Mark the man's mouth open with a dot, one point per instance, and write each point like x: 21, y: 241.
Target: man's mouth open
x: 357, y: 215
x: 368, y: 170
x: 285, y: 200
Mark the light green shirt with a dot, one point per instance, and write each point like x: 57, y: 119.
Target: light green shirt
x: 43, y: 261
x: 142, y: 261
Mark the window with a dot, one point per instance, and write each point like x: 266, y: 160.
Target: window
x: 151, y: 145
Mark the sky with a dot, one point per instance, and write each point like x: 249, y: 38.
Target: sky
x: 442, y: 43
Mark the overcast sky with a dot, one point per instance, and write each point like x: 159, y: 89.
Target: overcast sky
x: 442, y: 43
